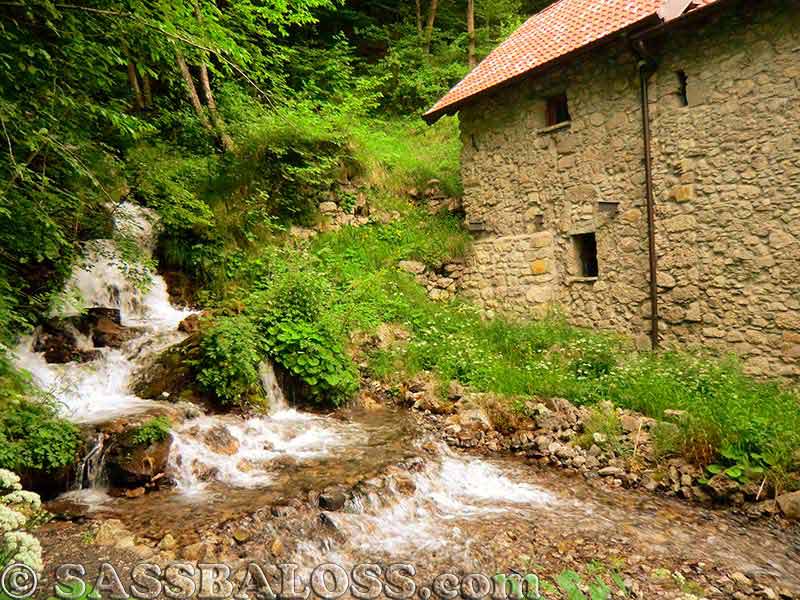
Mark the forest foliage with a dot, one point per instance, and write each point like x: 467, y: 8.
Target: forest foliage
x: 232, y: 120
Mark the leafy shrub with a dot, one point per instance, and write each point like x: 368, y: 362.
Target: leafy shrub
x: 291, y: 318
x: 228, y: 363
x: 152, y: 431
x: 33, y: 437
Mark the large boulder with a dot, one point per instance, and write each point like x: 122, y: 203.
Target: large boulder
x: 130, y: 463
x: 171, y: 376
x: 190, y: 324
x: 58, y: 339
x: 790, y: 505
x: 106, y: 328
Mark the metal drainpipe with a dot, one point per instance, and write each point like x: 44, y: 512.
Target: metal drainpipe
x: 647, y: 68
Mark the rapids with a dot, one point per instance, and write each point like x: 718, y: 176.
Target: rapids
x: 439, y: 509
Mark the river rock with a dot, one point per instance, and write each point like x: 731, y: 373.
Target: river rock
x: 790, y: 505
x: 611, y: 472
x: 330, y: 520
x: 190, y: 324
x: 167, y: 542
x: 105, y: 325
x: 58, y: 340
x: 722, y: 487
x: 241, y: 535
x: 134, y: 466
x: 110, y: 532
x: 332, y: 499
x: 221, y: 441
x: 195, y: 552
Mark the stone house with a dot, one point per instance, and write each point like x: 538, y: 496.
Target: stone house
x: 637, y: 163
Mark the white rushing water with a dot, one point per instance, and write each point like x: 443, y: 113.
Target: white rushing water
x: 236, y: 451
x: 97, y: 390
x: 448, y: 490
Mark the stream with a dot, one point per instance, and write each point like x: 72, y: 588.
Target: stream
x: 407, y: 496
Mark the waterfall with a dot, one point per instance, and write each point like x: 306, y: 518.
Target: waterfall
x: 272, y: 387
x: 90, y: 471
x: 98, y: 390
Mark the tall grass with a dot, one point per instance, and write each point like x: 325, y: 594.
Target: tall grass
x: 726, y: 411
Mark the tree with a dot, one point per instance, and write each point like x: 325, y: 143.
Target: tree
x: 429, y: 25
x: 471, y: 42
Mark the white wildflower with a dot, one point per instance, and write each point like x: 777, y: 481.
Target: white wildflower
x: 29, y: 499
x: 11, y: 520
x: 9, y: 480
x: 24, y: 548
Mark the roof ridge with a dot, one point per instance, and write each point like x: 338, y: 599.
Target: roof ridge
x: 563, y: 27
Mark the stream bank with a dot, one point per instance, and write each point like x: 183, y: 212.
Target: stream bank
x: 374, y: 482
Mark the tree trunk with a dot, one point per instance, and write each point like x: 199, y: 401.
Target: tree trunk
x: 419, y: 17
x: 147, y: 90
x: 133, y: 80
x: 138, y: 101
x: 429, y: 25
x: 216, y: 118
x: 471, y: 51
x: 191, y: 90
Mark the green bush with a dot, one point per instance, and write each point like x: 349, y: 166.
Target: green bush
x: 228, y: 361
x: 33, y: 437
x: 152, y: 431
x: 297, y: 332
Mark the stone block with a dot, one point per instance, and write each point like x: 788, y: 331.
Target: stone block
x: 682, y: 193
x: 540, y: 266
x: 680, y: 223
x: 632, y: 215
x: 665, y: 280
x: 541, y: 239
x: 539, y: 294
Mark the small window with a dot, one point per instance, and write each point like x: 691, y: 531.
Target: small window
x: 585, y: 245
x: 557, y: 110
x: 683, y: 94
x: 538, y: 223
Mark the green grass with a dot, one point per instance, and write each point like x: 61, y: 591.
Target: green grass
x: 401, y: 154
x: 727, y: 412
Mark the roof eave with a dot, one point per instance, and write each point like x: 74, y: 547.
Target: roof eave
x: 432, y: 116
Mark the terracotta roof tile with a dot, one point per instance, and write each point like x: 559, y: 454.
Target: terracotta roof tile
x: 559, y: 29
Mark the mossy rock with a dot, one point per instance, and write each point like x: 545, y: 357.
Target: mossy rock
x: 130, y: 463
x: 171, y: 376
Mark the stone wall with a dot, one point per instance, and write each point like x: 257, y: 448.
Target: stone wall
x: 727, y: 180
x: 727, y: 188
x: 512, y: 271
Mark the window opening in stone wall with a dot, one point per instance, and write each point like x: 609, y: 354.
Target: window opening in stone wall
x: 683, y: 82
x: 538, y: 223
x: 557, y: 110
x: 585, y: 245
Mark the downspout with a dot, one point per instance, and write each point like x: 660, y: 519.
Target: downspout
x: 647, y: 67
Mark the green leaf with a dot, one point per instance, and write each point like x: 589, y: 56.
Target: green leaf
x: 734, y: 472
